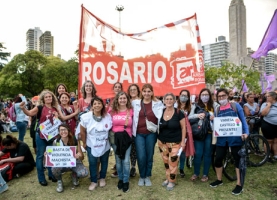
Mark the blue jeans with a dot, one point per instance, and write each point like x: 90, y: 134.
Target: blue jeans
x: 21, y: 128
x: 41, y: 148
x: 182, y: 160
x: 3, y: 184
x: 123, y: 166
x: 203, y: 149
x: 145, y: 146
x: 104, y: 159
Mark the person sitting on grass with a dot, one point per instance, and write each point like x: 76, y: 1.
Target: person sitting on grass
x: 20, y: 155
x: 66, y: 138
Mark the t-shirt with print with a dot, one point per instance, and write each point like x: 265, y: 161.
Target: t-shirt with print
x: 70, y: 122
x: 22, y: 149
x: 83, y: 104
x: 119, y: 120
x: 97, y: 133
x: 150, y: 116
x: 173, y: 131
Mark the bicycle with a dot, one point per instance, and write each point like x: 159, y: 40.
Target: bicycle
x: 257, y: 149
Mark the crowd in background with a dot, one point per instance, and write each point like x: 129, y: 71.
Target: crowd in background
x: 131, y: 123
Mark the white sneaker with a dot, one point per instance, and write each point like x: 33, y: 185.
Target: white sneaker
x: 141, y: 182
x: 60, y: 186
x: 147, y: 181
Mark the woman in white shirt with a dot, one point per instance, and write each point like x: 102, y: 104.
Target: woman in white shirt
x: 94, y: 128
x: 152, y: 109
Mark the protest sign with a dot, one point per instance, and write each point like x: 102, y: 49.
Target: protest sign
x: 227, y: 127
x: 60, y: 156
x: 49, y: 129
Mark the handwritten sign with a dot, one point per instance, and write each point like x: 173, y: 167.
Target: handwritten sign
x: 60, y: 156
x: 50, y: 129
x: 227, y: 127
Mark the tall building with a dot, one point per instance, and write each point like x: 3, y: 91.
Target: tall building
x: 32, y: 39
x: 46, y: 46
x: 237, y: 34
x: 270, y: 63
x: 214, y: 54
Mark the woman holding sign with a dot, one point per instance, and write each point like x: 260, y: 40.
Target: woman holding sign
x: 94, y: 129
x: 47, y: 113
x: 230, y: 110
x: 66, y: 138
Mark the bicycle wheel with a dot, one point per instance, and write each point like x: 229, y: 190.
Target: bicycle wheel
x: 229, y: 168
x: 257, y: 150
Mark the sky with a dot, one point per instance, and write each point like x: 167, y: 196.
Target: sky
x: 62, y: 18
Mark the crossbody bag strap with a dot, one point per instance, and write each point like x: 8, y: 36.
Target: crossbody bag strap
x: 127, y: 119
x: 144, y: 110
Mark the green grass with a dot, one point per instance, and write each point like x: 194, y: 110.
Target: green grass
x: 261, y: 184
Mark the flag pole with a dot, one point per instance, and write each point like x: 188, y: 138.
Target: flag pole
x: 243, y: 79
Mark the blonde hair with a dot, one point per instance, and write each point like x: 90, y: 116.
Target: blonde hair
x: 54, y: 103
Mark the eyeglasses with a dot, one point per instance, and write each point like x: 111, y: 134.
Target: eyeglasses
x: 222, y: 96
x: 204, y: 95
x: 63, y: 130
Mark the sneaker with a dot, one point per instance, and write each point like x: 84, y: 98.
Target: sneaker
x: 216, y: 183
x: 92, y: 186
x: 75, y: 180
x: 133, y: 172
x: 238, y: 189
x: 126, y: 187
x: 114, y: 175
x: 182, y: 173
x: 113, y: 168
x: 120, y: 185
x: 102, y: 182
x: 147, y: 181
x: 59, y: 186
x: 3, y: 188
x: 141, y: 182
x: 269, y: 160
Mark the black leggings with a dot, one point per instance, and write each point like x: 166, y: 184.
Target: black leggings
x: 269, y: 130
x: 22, y: 168
x: 221, y: 153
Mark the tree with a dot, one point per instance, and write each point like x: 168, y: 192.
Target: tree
x: 3, y: 56
x: 23, y: 75
x: 231, y: 76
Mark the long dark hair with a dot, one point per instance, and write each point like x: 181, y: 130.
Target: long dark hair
x: 210, y: 103
x: 139, y: 93
x: 9, y: 140
x: 221, y: 90
x: 187, y: 104
x: 56, y: 90
x: 71, y: 141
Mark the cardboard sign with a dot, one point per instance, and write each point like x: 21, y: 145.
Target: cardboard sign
x: 227, y: 127
x: 50, y: 129
x: 60, y: 156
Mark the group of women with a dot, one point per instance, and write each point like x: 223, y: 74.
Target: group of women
x: 131, y: 123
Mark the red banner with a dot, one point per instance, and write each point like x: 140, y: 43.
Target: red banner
x: 168, y: 57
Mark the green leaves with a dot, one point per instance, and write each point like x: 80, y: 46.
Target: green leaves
x: 31, y: 72
x: 231, y: 76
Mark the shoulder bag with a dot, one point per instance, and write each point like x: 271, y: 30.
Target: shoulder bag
x: 149, y: 125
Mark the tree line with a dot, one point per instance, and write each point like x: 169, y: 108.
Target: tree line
x: 31, y: 72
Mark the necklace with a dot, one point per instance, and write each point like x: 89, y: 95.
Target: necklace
x: 168, y: 114
x: 97, y: 118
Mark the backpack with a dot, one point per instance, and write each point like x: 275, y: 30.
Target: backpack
x: 12, y: 113
x: 233, y: 106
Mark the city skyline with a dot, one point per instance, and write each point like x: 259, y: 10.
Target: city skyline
x: 63, y: 20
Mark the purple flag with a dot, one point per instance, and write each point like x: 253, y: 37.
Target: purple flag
x: 269, y: 79
x: 235, y: 89
x: 244, y: 86
x: 269, y: 41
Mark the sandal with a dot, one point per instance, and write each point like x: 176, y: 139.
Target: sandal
x: 194, y: 177
x: 165, y: 183
x: 204, y: 178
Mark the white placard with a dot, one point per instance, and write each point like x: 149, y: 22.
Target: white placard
x: 227, y: 127
x: 50, y: 129
x: 60, y: 156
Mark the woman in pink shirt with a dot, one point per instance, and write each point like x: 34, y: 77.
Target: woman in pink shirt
x: 122, y: 120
